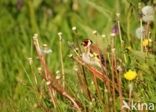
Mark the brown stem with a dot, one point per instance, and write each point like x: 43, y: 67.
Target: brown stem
x: 52, y: 83
x: 103, y: 77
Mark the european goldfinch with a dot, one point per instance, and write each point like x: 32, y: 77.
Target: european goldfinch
x: 92, y: 54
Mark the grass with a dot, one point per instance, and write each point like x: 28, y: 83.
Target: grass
x: 38, y: 86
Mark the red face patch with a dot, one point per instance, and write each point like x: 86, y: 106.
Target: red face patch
x: 86, y: 42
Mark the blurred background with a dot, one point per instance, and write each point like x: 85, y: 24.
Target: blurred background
x: 20, y: 19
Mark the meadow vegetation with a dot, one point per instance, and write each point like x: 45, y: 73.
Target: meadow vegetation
x: 45, y: 68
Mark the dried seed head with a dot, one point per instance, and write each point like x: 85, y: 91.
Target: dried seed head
x: 113, y: 50
x: 30, y: 61
x: 106, y: 90
x: 70, y: 55
x: 60, y: 35
x: 139, y: 5
x: 57, y: 72
x: 76, y: 49
x: 148, y: 10
x: 110, y: 99
x: 36, y: 43
x: 148, y: 13
x: 45, y: 49
x: 45, y: 45
x: 90, y: 103
x: 118, y: 14
x: 48, y: 82
x: 75, y: 5
x: 93, y: 99
x: 39, y: 70
x: 35, y: 36
x: 119, y: 69
x: 58, y: 77
x: 103, y: 35
x: 75, y: 68
x: 140, y: 32
x: 74, y: 28
x: 95, y: 32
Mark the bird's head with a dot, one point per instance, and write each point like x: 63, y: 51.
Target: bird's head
x: 86, y: 43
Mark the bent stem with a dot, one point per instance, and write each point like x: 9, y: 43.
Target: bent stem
x: 51, y: 82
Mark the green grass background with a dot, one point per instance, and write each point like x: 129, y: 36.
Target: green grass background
x: 47, y: 18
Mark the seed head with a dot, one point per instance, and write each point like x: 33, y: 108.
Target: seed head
x: 103, y: 35
x: 30, y: 61
x: 140, y: 32
x: 95, y: 32
x: 118, y: 14
x: 70, y: 55
x: 60, y: 35
x: 39, y: 70
x: 35, y: 36
x: 74, y: 28
x: 48, y: 82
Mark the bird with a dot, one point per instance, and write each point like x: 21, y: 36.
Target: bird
x: 92, y: 54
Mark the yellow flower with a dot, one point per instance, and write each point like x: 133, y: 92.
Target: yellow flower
x: 146, y: 42
x: 130, y: 75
